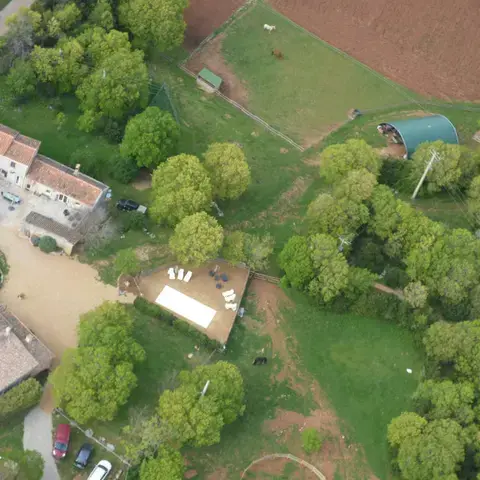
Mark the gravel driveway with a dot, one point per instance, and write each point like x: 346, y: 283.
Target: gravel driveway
x: 37, y: 435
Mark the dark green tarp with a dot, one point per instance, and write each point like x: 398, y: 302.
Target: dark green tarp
x: 415, y: 131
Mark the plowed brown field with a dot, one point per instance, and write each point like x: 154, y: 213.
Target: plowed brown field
x: 429, y: 46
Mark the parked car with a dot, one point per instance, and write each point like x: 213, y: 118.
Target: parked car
x: 130, y: 206
x: 83, y: 456
x: 101, y: 470
x: 62, y: 439
x: 10, y: 197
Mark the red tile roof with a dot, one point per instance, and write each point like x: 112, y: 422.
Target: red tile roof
x: 21, y: 153
x: 62, y: 179
x: 5, y: 141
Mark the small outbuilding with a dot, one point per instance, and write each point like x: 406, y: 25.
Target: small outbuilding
x: 411, y: 132
x: 208, y: 81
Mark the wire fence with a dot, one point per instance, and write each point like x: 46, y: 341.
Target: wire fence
x: 163, y: 99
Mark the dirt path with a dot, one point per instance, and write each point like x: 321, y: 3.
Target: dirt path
x: 336, y: 454
x: 58, y: 290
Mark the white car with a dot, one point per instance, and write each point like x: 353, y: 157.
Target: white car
x: 101, y: 470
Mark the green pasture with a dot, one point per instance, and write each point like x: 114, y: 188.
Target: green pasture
x: 308, y: 93
x: 361, y: 365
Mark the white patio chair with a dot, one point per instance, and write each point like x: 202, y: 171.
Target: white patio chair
x: 171, y: 273
x: 230, y: 298
x: 188, y: 276
x: 228, y: 293
x: 180, y: 274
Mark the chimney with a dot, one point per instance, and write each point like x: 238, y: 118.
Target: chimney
x: 29, y: 338
x: 77, y: 169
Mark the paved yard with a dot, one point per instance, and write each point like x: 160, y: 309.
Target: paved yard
x: 58, y: 290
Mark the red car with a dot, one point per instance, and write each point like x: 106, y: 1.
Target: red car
x: 62, y: 439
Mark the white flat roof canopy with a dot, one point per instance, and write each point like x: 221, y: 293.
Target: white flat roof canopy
x: 186, y: 306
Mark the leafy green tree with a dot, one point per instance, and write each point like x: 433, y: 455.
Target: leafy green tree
x: 233, y: 250
x: 60, y: 119
x: 455, y: 166
x: 295, y: 260
x: 228, y: 170
x: 446, y: 399
x: 338, y: 160
x: 67, y: 16
x: 21, y: 79
x: 197, y: 238
x: 100, y: 45
x: 435, y: 454
x: 126, y: 262
x: 21, y: 32
x: 257, y: 250
x: 198, y: 418
x: 181, y: 187
x: 416, y: 294
x: 150, y: 137
x: 357, y: 186
x: 156, y: 23
x: 115, y: 88
x: 311, y: 440
x: 63, y: 66
x: 23, y: 396
x: 384, y: 219
x: 456, y: 344
x: 360, y: 281
x: 167, y: 465
x: 102, y: 15
x: 405, y: 428
x: 21, y: 465
x: 329, y: 215
x: 331, y: 268
x: 447, y: 264
x: 95, y: 379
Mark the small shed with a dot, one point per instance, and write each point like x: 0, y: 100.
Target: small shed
x: 208, y: 81
x: 414, y: 131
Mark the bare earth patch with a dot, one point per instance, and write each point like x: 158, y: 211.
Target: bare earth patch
x: 211, y: 57
x: 335, y: 453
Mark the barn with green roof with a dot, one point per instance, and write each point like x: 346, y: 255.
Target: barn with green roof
x: 411, y: 132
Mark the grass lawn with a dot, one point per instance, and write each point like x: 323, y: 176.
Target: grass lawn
x: 11, y: 433
x: 312, y: 88
x: 361, y: 365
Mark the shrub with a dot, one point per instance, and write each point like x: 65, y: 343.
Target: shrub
x: 152, y: 310
x: 395, y: 277
x: 19, y: 398
x: 311, y: 440
x: 122, y: 169
x: 192, y: 332
x: 47, y: 244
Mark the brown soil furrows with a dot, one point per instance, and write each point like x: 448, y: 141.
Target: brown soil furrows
x: 430, y: 47
x: 335, y: 453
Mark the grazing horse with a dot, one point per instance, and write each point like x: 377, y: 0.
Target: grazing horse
x: 270, y: 28
x: 278, y: 54
x: 260, y: 361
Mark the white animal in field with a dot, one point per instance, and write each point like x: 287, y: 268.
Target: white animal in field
x: 270, y: 28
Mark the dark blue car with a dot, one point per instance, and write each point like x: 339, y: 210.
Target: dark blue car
x: 83, y: 456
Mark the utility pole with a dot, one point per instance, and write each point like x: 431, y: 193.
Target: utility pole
x: 434, y: 158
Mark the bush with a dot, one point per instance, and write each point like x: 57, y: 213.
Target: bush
x: 47, y: 244
x: 153, y: 310
x: 192, y: 332
x: 113, y: 131
x: 311, y: 440
x: 19, y: 398
x: 122, y: 169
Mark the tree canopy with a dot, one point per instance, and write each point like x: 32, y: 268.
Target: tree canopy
x: 96, y: 378
x: 181, y: 187
x: 338, y: 160
x: 197, y: 418
x: 295, y: 260
x: 150, y: 137
x: 357, y: 186
x: 197, y: 238
x: 167, y: 465
x: 156, y: 23
x: 228, y: 170
x: 116, y: 87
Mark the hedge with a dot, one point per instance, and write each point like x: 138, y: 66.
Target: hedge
x: 23, y: 396
x: 155, y: 311
x: 47, y: 244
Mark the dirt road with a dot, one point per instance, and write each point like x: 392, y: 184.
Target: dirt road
x: 58, y: 290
